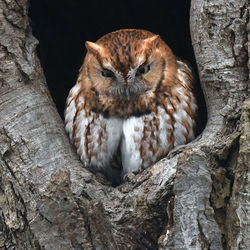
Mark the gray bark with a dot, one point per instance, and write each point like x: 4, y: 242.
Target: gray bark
x: 196, y: 198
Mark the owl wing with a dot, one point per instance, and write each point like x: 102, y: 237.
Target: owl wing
x: 70, y: 112
x: 183, y: 107
x: 185, y: 74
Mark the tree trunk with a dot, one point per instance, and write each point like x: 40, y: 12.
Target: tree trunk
x: 196, y: 198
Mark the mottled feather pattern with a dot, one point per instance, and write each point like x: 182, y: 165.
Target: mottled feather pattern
x: 132, y: 103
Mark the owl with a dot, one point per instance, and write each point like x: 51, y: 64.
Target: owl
x: 132, y: 103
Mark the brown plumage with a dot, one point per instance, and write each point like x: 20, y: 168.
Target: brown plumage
x: 132, y: 103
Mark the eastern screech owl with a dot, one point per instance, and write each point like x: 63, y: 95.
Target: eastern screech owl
x: 132, y: 103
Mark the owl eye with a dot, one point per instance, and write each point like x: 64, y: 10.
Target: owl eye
x: 107, y: 73
x: 143, y: 70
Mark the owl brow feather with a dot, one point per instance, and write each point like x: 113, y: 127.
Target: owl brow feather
x: 143, y: 64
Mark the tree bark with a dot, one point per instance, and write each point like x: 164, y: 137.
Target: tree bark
x: 195, y: 198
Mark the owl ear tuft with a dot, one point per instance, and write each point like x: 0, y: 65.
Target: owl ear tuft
x: 93, y: 47
x: 149, y: 41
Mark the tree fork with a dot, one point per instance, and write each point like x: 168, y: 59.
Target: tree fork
x: 49, y: 201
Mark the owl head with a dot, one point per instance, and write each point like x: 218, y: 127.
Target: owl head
x: 129, y: 64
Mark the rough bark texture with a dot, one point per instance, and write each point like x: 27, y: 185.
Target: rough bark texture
x: 196, y: 198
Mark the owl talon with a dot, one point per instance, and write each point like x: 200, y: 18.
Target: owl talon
x: 130, y: 177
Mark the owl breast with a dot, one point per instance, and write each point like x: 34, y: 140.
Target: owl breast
x: 121, y: 124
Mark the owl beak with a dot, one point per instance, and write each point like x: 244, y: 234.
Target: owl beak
x: 124, y: 91
x: 127, y: 95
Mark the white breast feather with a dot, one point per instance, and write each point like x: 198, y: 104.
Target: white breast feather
x: 131, y: 159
